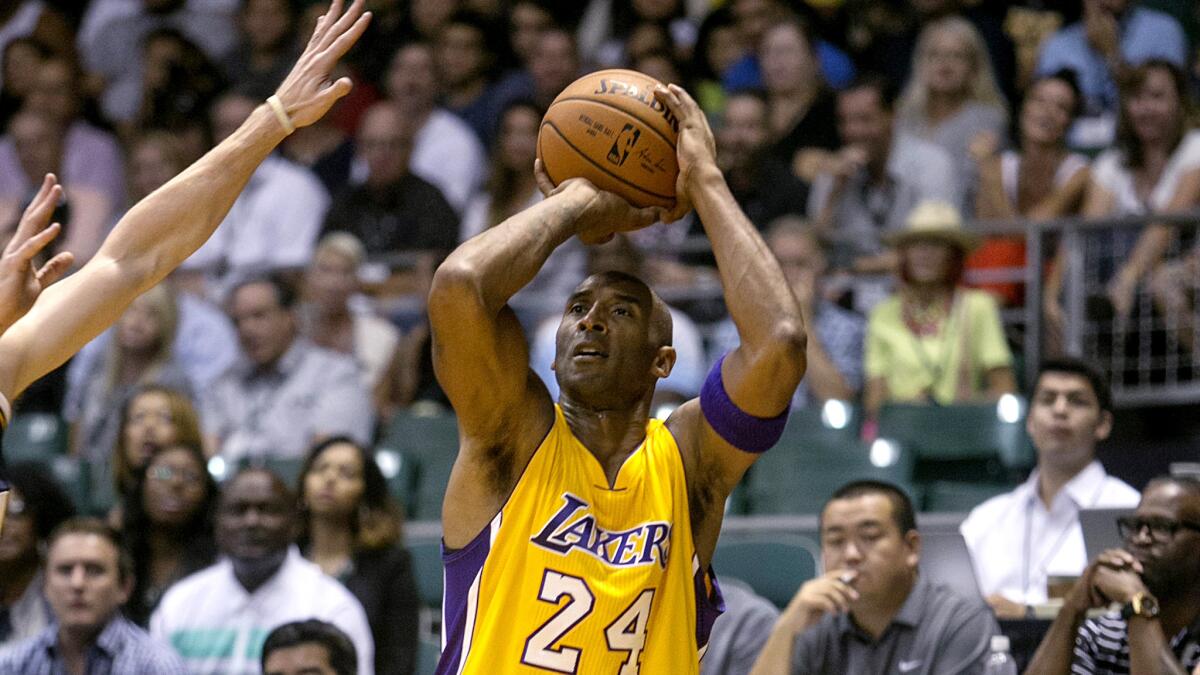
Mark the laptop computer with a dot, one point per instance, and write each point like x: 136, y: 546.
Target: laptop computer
x: 1100, y: 530
x: 946, y: 560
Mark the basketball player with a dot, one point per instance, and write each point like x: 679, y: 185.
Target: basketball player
x: 577, y: 536
x: 156, y: 234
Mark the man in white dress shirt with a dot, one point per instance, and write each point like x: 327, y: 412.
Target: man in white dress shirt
x: 218, y: 619
x: 1020, y: 539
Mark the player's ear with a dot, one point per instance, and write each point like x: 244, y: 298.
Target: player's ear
x: 664, y: 362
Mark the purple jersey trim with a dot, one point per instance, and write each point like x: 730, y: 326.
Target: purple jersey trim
x: 708, y: 607
x: 462, y: 568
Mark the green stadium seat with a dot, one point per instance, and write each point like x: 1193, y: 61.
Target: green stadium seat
x: 961, y: 442
x: 431, y: 441
x: 102, y: 494
x: 73, y: 475
x: 774, y: 565
x: 960, y: 497
x: 809, y: 464
x: 428, y: 653
x: 427, y: 570
x: 400, y: 472
x: 37, y: 437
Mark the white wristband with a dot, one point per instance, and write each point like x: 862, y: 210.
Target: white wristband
x: 280, y: 114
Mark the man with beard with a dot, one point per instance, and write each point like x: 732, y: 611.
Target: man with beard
x: 1153, y: 579
x: 217, y: 618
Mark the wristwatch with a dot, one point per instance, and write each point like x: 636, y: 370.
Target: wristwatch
x: 1142, y: 604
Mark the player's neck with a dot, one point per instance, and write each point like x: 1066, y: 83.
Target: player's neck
x: 610, y: 435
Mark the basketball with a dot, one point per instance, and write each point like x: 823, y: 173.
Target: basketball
x: 609, y: 128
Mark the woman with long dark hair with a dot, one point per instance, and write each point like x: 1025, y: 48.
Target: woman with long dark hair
x: 153, y: 418
x: 1153, y: 168
x: 351, y: 529
x: 168, y: 524
x: 1040, y: 179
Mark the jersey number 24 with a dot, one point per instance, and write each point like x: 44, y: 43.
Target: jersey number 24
x: 627, y: 633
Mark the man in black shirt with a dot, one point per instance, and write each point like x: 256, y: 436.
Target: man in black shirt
x: 394, y: 211
x: 762, y: 184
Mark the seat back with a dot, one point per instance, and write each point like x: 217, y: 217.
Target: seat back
x: 810, y: 463
x: 35, y: 437
x: 431, y: 442
x: 773, y: 565
x: 978, y: 442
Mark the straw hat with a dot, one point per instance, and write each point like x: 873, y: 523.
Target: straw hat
x: 934, y: 220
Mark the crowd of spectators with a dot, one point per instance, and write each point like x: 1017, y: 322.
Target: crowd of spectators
x: 863, y: 138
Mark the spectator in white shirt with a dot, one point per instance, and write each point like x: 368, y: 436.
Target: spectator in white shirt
x: 215, y: 619
x: 445, y: 152
x: 273, y: 224
x: 284, y: 392
x: 1020, y: 539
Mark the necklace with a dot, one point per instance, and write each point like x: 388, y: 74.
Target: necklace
x: 924, y: 321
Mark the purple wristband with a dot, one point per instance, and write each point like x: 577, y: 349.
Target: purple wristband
x: 739, y: 428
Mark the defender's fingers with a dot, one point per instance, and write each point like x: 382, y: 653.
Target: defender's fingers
x: 346, y: 40
x: 38, y: 211
x: 37, y: 242
x: 343, y: 21
x: 55, y: 269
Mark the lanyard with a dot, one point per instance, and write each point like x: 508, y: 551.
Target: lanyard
x: 1059, y: 540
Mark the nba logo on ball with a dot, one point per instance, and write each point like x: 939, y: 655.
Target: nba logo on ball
x: 609, y: 128
x: 624, y: 143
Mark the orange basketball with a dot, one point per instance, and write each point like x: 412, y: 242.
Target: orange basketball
x: 609, y: 128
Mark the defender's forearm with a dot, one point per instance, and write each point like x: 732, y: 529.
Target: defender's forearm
x: 166, y: 227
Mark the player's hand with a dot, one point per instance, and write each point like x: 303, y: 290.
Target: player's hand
x: 605, y: 213
x: 306, y: 92
x: 695, y: 148
x: 20, y: 283
x: 829, y: 593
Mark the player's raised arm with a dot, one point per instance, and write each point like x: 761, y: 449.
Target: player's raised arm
x: 166, y: 227
x: 479, y: 350
x: 758, y: 378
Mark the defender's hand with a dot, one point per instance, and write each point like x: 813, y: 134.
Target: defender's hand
x: 605, y: 213
x: 694, y: 150
x: 306, y: 92
x: 20, y: 283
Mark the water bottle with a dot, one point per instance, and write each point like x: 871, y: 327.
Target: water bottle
x: 1000, y: 662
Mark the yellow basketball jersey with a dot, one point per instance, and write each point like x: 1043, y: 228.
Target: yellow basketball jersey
x: 574, y: 577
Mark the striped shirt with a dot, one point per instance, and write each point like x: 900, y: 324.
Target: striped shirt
x: 121, y: 648
x: 1102, y: 647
